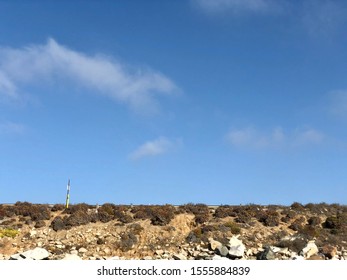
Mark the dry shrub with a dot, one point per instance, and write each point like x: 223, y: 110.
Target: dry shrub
x: 36, y: 212
x: 158, y: 214
x: 77, y: 218
x: 195, y: 236
x: 295, y: 245
x: 233, y: 227
x: 127, y: 241
x: 200, y: 210
x: 40, y: 224
x: 297, y: 207
x: 309, y: 231
x: 298, y: 224
x: 162, y: 215
x: 135, y: 228
x: 104, y: 217
x: 269, y: 218
x: 142, y: 212
x: 225, y: 211
x: 314, y: 221
x: 58, y: 207
x: 82, y: 207
x: 58, y: 223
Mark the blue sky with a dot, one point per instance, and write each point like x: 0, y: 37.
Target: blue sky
x: 203, y: 101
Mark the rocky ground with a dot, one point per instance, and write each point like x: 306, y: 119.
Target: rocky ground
x: 191, y: 231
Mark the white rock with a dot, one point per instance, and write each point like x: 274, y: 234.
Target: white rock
x: 237, y: 248
x: 82, y: 250
x: 70, y: 257
x: 310, y: 249
x: 36, y: 254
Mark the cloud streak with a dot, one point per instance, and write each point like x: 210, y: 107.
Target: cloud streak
x: 7, y: 127
x: 152, y: 148
x: 237, y: 6
x: 38, y: 64
x: 338, y: 103
x: 277, y: 138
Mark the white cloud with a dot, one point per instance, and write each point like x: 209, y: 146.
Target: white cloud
x: 7, y: 127
x: 238, y: 6
x: 152, y: 148
x: 250, y: 137
x: 40, y: 64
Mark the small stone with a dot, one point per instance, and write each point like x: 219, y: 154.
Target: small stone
x: 70, y: 257
x: 82, y: 250
x: 214, y: 244
x: 159, y: 252
x: 267, y: 254
x: 329, y: 251
x: 179, y: 257
x: 74, y: 252
x: 222, y: 251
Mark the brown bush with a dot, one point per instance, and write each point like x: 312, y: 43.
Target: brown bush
x: 158, y: 214
x: 295, y: 245
x: 233, y: 227
x: 127, y: 242
x: 40, y: 224
x: 36, y: 212
x: 77, y: 218
x: 58, y: 207
x: 194, y: 236
x: 108, y: 208
x: 269, y: 218
x: 104, y: 217
x: 162, y: 215
x: 298, y: 224
x: 297, y: 206
x: 123, y: 217
x: 135, y: 228
x: 225, y: 211
x: 243, y: 217
x: 314, y: 221
x: 58, y: 224
x: 309, y: 231
x: 82, y: 207
x: 201, y: 212
x: 142, y: 212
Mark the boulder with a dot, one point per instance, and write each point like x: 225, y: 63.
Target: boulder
x: 267, y: 254
x: 222, y: 251
x: 329, y: 251
x: 236, y: 248
x: 310, y: 250
x: 214, y: 244
x: 35, y: 254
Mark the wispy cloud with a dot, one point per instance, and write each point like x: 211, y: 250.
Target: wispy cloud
x: 43, y: 64
x: 238, y: 6
x: 315, y: 17
x: 338, y: 104
x: 322, y: 17
x: 250, y: 137
x: 153, y: 148
x: 7, y: 127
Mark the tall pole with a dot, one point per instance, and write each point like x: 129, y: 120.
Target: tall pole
x: 67, y: 194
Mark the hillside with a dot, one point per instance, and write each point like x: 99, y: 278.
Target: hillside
x: 191, y: 231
